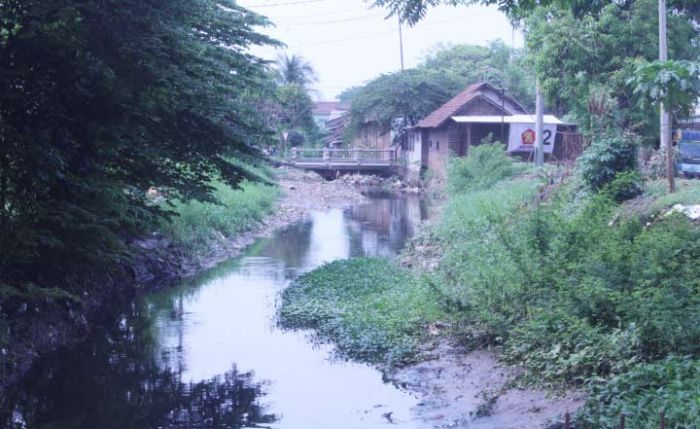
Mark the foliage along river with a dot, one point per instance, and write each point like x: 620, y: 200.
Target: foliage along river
x: 209, y: 354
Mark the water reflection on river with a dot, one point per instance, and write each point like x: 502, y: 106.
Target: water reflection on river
x: 208, y: 354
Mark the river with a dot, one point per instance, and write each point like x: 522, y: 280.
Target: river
x: 210, y: 354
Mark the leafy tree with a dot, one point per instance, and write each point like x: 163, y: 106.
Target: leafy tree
x: 99, y: 101
x: 672, y: 83
x: 295, y: 70
x: 412, y: 11
x: 414, y: 93
x: 586, y: 63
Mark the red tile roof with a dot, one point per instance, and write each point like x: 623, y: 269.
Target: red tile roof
x: 449, y: 109
x: 323, y: 108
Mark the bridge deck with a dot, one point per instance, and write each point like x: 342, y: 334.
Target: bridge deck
x: 345, y: 160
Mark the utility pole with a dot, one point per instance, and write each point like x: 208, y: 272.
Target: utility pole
x: 401, y: 42
x: 539, y: 126
x: 666, y: 141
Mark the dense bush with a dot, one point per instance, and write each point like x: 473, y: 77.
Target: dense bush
x: 672, y: 385
x: 607, y: 157
x: 571, y: 291
x: 625, y: 186
x: 485, y: 165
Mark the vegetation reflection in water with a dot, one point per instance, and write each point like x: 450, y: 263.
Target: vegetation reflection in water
x: 156, y: 365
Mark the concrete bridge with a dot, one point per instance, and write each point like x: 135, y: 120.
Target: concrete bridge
x: 333, y: 162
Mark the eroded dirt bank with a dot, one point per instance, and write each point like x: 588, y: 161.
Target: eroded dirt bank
x: 39, y: 327
x: 462, y: 389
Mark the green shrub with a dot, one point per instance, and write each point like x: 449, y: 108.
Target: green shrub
x: 470, y: 228
x: 485, y: 166
x: 570, y: 293
x: 607, y: 157
x: 625, y: 186
x: 672, y: 385
x: 562, y: 347
x: 373, y: 310
x: 663, y: 288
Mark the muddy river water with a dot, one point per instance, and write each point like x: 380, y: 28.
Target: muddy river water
x: 209, y: 353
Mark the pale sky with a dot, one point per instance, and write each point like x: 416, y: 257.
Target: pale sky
x: 348, y: 42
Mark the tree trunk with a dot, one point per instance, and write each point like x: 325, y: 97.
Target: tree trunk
x: 666, y: 140
x: 539, y: 127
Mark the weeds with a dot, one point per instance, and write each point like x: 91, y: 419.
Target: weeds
x: 197, y: 223
x: 671, y: 385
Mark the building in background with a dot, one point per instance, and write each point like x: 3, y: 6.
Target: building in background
x: 324, y: 111
x: 479, y: 112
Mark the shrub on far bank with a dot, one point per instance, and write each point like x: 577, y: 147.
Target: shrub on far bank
x: 625, y: 186
x: 571, y: 292
x: 606, y: 157
x: 486, y: 164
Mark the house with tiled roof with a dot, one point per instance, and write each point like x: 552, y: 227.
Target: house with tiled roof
x: 437, y: 136
x: 466, y: 120
x: 324, y: 111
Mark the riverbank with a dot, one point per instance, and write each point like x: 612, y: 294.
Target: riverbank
x: 41, y: 324
x: 374, y: 311
x: 572, y: 287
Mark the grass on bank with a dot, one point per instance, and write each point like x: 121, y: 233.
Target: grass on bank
x: 197, y: 223
x: 373, y: 310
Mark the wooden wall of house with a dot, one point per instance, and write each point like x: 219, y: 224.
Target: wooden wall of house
x: 438, y: 149
x: 370, y: 136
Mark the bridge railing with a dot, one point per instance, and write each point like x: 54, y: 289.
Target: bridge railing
x: 344, y: 156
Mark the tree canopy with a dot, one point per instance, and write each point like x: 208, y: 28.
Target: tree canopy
x: 101, y: 100
x: 295, y: 70
x: 412, y: 11
x: 586, y: 63
x: 448, y: 70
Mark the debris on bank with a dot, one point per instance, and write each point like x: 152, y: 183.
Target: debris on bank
x: 692, y: 212
x: 390, y: 184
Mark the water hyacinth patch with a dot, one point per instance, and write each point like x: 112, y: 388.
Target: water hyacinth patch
x: 373, y: 310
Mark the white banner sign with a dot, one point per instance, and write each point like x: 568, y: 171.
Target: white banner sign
x: 522, y: 138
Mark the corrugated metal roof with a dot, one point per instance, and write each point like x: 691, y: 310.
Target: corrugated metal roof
x: 508, y: 119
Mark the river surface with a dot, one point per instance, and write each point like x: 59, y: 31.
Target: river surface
x: 209, y: 353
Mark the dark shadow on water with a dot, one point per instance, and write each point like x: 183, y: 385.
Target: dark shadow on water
x: 116, y: 382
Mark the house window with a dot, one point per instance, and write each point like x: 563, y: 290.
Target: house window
x: 431, y: 143
x: 437, y: 145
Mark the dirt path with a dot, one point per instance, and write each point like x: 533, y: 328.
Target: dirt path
x: 469, y: 390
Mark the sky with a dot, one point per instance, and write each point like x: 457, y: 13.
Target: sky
x: 348, y: 42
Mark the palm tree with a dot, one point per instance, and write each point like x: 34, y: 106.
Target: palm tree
x: 294, y: 69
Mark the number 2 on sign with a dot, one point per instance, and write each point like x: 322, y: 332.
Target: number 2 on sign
x: 547, y: 137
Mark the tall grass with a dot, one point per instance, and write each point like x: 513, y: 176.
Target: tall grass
x: 197, y: 223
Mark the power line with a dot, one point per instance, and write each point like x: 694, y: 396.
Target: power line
x: 357, y: 18
x: 381, y: 33
x: 322, y: 15
x: 289, y: 3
